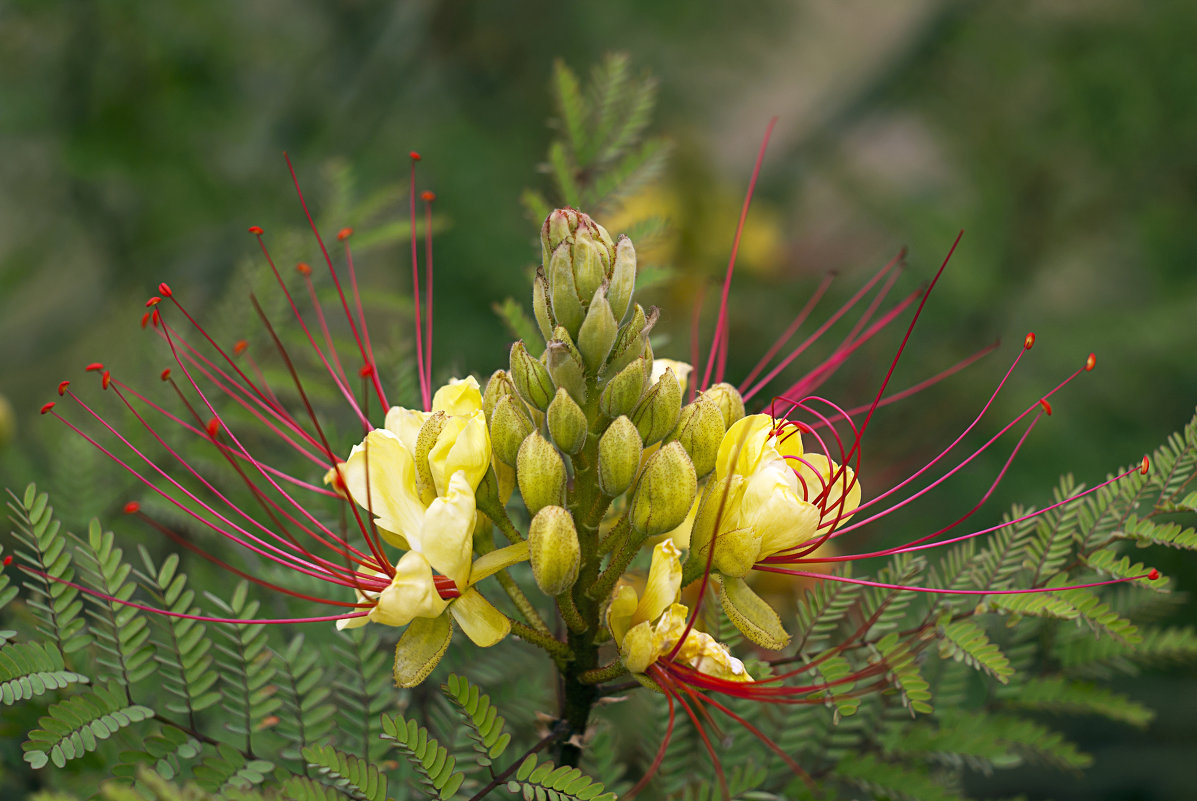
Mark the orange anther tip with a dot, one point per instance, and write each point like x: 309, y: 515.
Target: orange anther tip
x: 303, y: 269
x: 1153, y: 574
x: 366, y: 370
x: 256, y: 230
x: 1146, y: 466
x: 132, y: 508
x: 240, y: 345
x: 415, y: 156
x: 165, y: 374
x: 47, y: 407
x: 154, y: 301
x: 213, y: 427
x: 8, y: 560
x: 105, y: 379
x: 94, y: 366
x: 1047, y: 407
x: 165, y: 290
x: 344, y: 234
x: 1029, y: 341
x: 62, y: 385
x: 428, y: 197
x: 1091, y: 362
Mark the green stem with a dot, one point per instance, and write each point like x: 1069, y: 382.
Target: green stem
x: 569, y: 612
x: 612, y: 670
x: 557, y: 649
x: 499, y: 515
x: 613, y: 536
x: 522, y: 603
x: 619, y: 563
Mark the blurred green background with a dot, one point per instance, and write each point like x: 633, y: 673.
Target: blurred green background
x: 141, y: 139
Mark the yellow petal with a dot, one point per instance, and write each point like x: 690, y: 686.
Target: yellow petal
x: 706, y: 655
x: 446, y: 537
x: 818, y: 474
x: 421, y: 648
x: 493, y: 562
x: 775, y: 512
x: 391, y: 482
x: 664, y: 582
x: 639, y: 647
x: 481, y: 622
x: 743, y: 445
x: 406, y: 424
x: 459, y: 396
x: 619, y: 613
x: 681, y: 371
x: 411, y: 593
x: 462, y: 445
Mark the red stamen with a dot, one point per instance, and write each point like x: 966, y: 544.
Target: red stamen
x: 1091, y: 362
x: 145, y: 319
x: 47, y: 407
x: 414, y: 156
x: 155, y: 318
x: 165, y: 374
x: 446, y: 588
x: 239, y: 346
x: 94, y: 367
x: 132, y: 508
x: 1029, y: 341
x: 105, y: 378
x: 1152, y: 574
x: 213, y: 427
x: 1047, y: 407
x: 303, y: 269
x: 62, y: 385
x: 1146, y: 466
x: 366, y: 370
x: 427, y: 196
x: 8, y: 560
x: 344, y: 234
x: 154, y: 301
x: 256, y: 230
x: 164, y: 290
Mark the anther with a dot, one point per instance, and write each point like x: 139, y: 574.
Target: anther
x: 62, y: 385
x: 94, y: 367
x: 105, y: 379
x: 1029, y: 341
x: 415, y: 156
x: 132, y: 508
x: 1146, y: 466
x: 303, y: 269
x: 1047, y: 407
x: 145, y: 318
x: 164, y: 290
x: 256, y: 230
x: 154, y: 301
x: 366, y: 371
x: 1091, y: 362
x: 213, y: 427
x: 239, y: 346
x: 47, y: 407
x: 1153, y: 574
x: 165, y: 374
x: 344, y: 234
x: 428, y: 197
x: 155, y: 318
x: 8, y: 560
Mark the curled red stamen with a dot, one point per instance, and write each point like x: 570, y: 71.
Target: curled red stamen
x: 47, y: 407
x: 414, y: 156
x: 446, y: 588
x: 154, y: 301
x: 1153, y: 574
x: 213, y: 427
x: 132, y: 508
x: 164, y: 290
x: 240, y: 346
x: 1091, y: 362
x: 1047, y: 407
x: 1146, y: 466
x: 427, y: 196
x: 344, y: 234
x: 94, y: 367
x: 165, y: 374
x: 62, y: 385
x: 303, y: 268
x: 256, y: 230
x: 105, y: 379
x: 1029, y: 341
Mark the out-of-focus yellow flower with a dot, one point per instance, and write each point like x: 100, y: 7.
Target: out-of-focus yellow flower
x: 647, y: 627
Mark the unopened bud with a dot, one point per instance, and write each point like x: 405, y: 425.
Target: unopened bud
x: 658, y: 411
x: 509, y: 428
x: 540, y: 473
x: 665, y: 492
x: 588, y: 265
x: 557, y: 226
x: 531, y: 378
x: 565, y: 364
x: 597, y: 334
x: 700, y: 431
x: 727, y: 399
x: 498, y: 386
x: 623, y: 278
x: 563, y: 294
x: 567, y: 422
x: 624, y: 391
x: 619, y: 452
x: 632, y: 339
x: 554, y: 550
x: 540, y: 304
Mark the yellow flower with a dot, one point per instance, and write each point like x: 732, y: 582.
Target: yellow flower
x: 648, y: 627
x: 681, y: 371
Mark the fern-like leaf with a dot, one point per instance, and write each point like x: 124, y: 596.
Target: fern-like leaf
x: 544, y: 780
x: 351, y: 776
x: 74, y: 727
x: 30, y: 669
x: 965, y: 641
x: 482, y: 718
x: 430, y: 759
x: 1060, y: 694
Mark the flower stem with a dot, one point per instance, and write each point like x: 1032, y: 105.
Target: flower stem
x: 569, y: 612
x: 523, y: 604
x: 557, y: 649
x: 611, y: 670
x: 619, y: 562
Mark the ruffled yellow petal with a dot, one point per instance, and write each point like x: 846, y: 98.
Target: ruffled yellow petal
x: 458, y: 397
x: 481, y: 622
x: 446, y: 536
x: 386, y: 468
x: 664, y: 582
x: 491, y: 563
x: 639, y: 647
x: 406, y: 424
x: 817, y: 473
x: 681, y: 371
x: 619, y: 613
x: 462, y: 446
x: 743, y: 446
x: 411, y: 593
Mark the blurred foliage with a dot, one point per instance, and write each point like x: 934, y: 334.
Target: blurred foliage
x: 141, y: 139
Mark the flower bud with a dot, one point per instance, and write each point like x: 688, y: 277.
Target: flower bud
x: 540, y: 304
x: 727, y: 399
x: 588, y: 265
x: 736, y: 547
x: 554, y: 550
x: 531, y: 378
x: 567, y: 422
x: 498, y: 386
x: 619, y: 452
x: 557, y: 226
x: 563, y: 294
x: 597, y: 334
x: 565, y: 364
x: 632, y: 339
x: 666, y: 490
x: 700, y: 431
x: 658, y: 411
x: 540, y: 473
x: 509, y: 428
x: 624, y: 391
x: 623, y: 278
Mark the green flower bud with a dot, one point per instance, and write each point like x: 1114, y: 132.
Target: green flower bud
x: 498, y: 386
x: 597, y: 334
x: 665, y: 492
x: 531, y: 378
x: 540, y: 473
x: 659, y: 409
x: 540, y: 304
x: 623, y: 278
x: 727, y: 399
x: 509, y: 427
x: 557, y: 227
x: 567, y: 422
x: 563, y: 293
x: 588, y: 266
x: 632, y: 339
x: 554, y: 550
x: 427, y: 437
x: 565, y: 364
x: 700, y: 431
x: 619, y: 452
x: 624, y: 391
x: 736, y: 549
